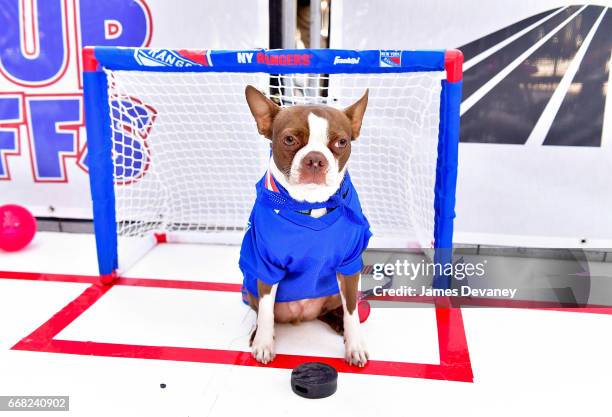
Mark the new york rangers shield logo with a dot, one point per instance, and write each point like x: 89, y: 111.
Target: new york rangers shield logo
x: 390, y: 58
x: 171, y: 58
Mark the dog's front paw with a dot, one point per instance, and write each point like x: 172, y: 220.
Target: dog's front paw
x: 356, y: 352
x: 262, y: 348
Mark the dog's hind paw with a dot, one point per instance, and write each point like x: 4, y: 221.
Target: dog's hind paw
x: 262, y: 349
x: 356, y: 352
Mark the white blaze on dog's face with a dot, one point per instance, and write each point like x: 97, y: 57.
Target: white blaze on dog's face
x: 311, y: 145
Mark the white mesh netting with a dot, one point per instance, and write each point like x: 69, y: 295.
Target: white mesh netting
x: 187, y: 153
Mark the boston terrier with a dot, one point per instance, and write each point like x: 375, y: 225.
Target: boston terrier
x: 301, y: 253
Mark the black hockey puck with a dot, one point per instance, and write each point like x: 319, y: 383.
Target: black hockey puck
x: 314, y: 380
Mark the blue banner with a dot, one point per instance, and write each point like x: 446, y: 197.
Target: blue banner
x: 285, y: 61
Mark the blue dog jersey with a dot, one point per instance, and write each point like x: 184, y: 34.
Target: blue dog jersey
x: 299, y: 252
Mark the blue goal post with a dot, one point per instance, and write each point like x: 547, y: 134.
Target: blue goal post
x: 281, y: 61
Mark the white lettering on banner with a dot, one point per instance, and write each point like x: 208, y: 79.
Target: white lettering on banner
x: 347, y: 60
x: 245, y: 57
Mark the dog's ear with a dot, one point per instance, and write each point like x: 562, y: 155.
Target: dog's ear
x: 263, y: 110
x: 355, y: 113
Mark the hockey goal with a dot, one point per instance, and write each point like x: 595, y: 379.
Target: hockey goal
x: 174, y: 153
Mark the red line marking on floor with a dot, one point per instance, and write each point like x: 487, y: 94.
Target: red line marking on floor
x: 452, y: 339
x: 220, y: 286
x: 43, y: 276
x: 454, y: 356
x: 456, y: 372
x: 498, y: 303
x: 185, y: 285
x: 39, y: 338
x: 453, y: 350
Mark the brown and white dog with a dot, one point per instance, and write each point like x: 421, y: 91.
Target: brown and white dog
x: 311, y: 146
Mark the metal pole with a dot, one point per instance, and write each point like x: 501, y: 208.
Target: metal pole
x: 315, y: 43
x: 289, y: 23
x: 315, y: 24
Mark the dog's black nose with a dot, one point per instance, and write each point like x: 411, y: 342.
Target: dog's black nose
x: 315, y: 161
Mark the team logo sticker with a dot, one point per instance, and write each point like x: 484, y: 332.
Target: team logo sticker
x: 170, y: 58
x: 390, y: 58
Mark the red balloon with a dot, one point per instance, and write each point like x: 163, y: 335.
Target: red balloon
x: 17, y: 227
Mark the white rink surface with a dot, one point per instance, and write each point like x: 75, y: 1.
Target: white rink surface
x: 219, y: 320
x: 525, y: 362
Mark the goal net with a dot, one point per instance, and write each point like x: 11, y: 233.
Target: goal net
x: 183, y: 153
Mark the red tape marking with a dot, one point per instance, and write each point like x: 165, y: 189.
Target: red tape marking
x: 456, y: 372
x: 40, y: 338
x: 497, y: 303
x: 220, y: 286
x: 454, y: 364
x: 185, y: 285
x: 42, y: 276
x: 454, y: 356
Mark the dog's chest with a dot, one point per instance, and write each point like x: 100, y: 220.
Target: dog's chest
x: 320, y: 212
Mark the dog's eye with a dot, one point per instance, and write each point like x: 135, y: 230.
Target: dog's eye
x: 341, y: 143
x: 289, y: 140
